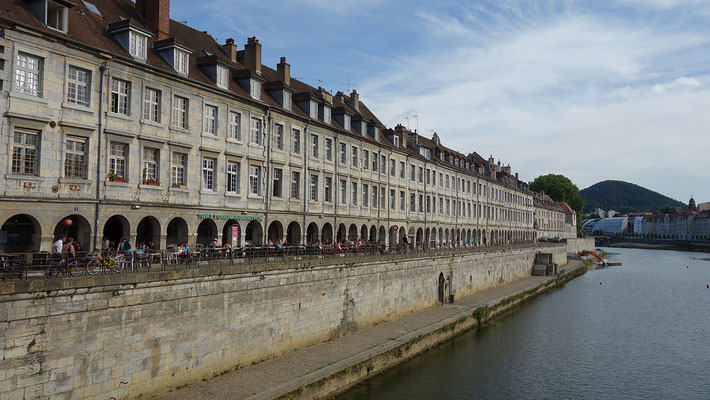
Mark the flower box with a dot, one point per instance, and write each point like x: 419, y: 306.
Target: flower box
x: 117, y: 179
x: 152, y: 182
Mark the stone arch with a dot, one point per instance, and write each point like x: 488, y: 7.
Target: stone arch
x: 275, y: 233
x: 373, y: 233
x: 254, y: 234
x: 176, y: 232
x: 20, y: 233
x: 312, y: 233
x: 293, y: 233
x: 427, y: 237
x: 434, y: 239
x: 117, y: 228
x: 79, y: 230
x: 382, y: 234
x: 363, y: 233
x: 148, y: 231
x: 441, y: 237
x: 352, y: 232
x: 229, y: 235
x: 342, y: 233
x: 420, y: 237
x: 446, y: 236
x: 206, y: 232
x: 327, y: 233
x: 401, y: 233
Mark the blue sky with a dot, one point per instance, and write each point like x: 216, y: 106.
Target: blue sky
x: 593, y: 90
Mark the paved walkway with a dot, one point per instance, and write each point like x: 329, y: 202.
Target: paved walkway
x: 274, y: 377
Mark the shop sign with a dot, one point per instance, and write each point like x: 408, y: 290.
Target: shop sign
x: 228, y: 217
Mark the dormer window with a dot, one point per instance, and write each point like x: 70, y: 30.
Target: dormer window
x: 223, y: 78
x: 57, y: 16
x: 255, y: 89
x: 346, y: 122
x: 326, y: 114
x: 395, y: 141
x: 313, y: 109
x: 181, y: 62
x: 287, y: 100
x: 137, y: 46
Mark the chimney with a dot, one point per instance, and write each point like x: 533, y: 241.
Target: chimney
x: 516, y: 177
x: 156, y: 14
x: 284, y: 71
x: 355, y: 99
x: 252, y: 55
x: 230, y: 49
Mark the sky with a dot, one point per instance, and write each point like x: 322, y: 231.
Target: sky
x: 593, y: 90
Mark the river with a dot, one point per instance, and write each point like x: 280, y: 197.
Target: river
x: 638, y: 331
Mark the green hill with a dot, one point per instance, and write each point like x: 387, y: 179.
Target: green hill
x: 624, y: 197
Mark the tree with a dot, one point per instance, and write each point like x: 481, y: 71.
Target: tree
x: 668, y: 210
x: 560, y: 188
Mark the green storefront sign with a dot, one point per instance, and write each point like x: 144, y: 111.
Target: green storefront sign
x: 228, y: 217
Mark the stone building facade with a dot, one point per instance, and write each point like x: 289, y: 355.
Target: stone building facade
x: 120, y: 122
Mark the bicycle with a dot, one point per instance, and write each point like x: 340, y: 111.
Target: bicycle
x: 100, y: 262
x: 65, y: 266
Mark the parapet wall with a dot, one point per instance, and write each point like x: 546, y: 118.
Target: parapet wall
x: 126, y: 335
x: 575, y: 245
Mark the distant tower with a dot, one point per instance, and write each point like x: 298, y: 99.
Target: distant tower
x: 691, y: 204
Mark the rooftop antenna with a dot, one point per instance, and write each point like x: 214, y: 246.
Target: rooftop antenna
x: 319, y: 81
x: 407, y: 118
x: 349, y: 85
x: 417, y: 117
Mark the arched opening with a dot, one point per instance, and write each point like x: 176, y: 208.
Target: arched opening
x: 468, y: 237
x: 79, y: 229
x: 20, y: 234
x: 363, y: 233
x: 230, y: 233
x: 446, y: 236
x: 453, y: 237
x: 457, y: 238
x: 427, y: 237
x: 206, y: 232
x: 312, y: 233
x: 382, y: 235
x: 342, y: 232
x: 442, y: 282
x: 433, y: 238
x: 275, y: 233
x: 402, y: 234
x: 293, y: 233
x: 176, y: 233
x: 327, y: 235
x: 393, y: 237
x: 352, y: 232
x: 373, y: 233
x: 115, y: 229
x: 253, y: 234
x: 420, y: 237
x: 148, y: 232
x: 441, y: 237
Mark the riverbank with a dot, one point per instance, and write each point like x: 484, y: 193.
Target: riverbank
x: 330, y: 368
x: 654, y: 244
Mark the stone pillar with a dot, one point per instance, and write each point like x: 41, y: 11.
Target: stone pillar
x: 163, y: 241
x: 45, y: 242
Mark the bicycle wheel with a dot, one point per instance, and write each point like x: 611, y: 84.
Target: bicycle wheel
x: 93, y: 267
x: 75, y: 269
x: 118, y: 266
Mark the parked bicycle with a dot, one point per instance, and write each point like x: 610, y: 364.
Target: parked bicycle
x: 63, y: 266
x: 99, y: 263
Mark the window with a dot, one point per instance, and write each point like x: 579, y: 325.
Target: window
x: 447, y: 181
x: 314, y: 188
x: 56, y: 16
x: 208, y: 182
x: 421, y: 175
x: 365, y: 159
x: 328, y: 149
x: 448, y: 207
x: 343, y: 191
x: 28, y: 77
x: 211, y: 120
x: 393, y: 203
x: 374, y: 196
x: 222, y: 77
x: 412, y: 202
x: 328, y: 189
x: 235, y: 126
x: 401, y: 169
x: 346, y: 121
x: 180, y: 112
x: 365, y: 195
x: 428, y: 204
x: 119, y: 96
x: 279, y: 136
x: 75, y: 158
x: 177, y: 173
x: 326, y: 114
x: 255, y: 131
x: 395, y: 141
x: 117, y: 160
x: 393, y: 167
x: 314, y: 146
x: 343, y: 153
x: 353, y: 193
x: 79, y: 82
x: 354, y: 156
x: 412, y: 172
x: 313, y: 110
x: 401, y: 200
x: 421, y: 201
x: 296, y: 141
x: 441, y: 205
x: 428, y: 176
x: 383, y: 164
x: 137, y: 45
x: 441, y: 179
x: 295, y: 185
x: 151, y: 105
x: 433, y: 177
x: 255, y: 88
x: 150, y: 165
x: 277, y: 183
x: 24, y: 152
x: 180, y: 62
x: 255, y: 180
x: 374, y: 162
x: 234, y: 181
x: 287, y: 100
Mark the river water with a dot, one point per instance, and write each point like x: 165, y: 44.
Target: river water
x: 638, y: 331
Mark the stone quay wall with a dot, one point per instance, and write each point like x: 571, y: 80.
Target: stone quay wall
x: 576, y: 245
x: 121, y: 336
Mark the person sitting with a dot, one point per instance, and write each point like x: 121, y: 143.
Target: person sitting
x: 68, y: 250
x: 124, y: 247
